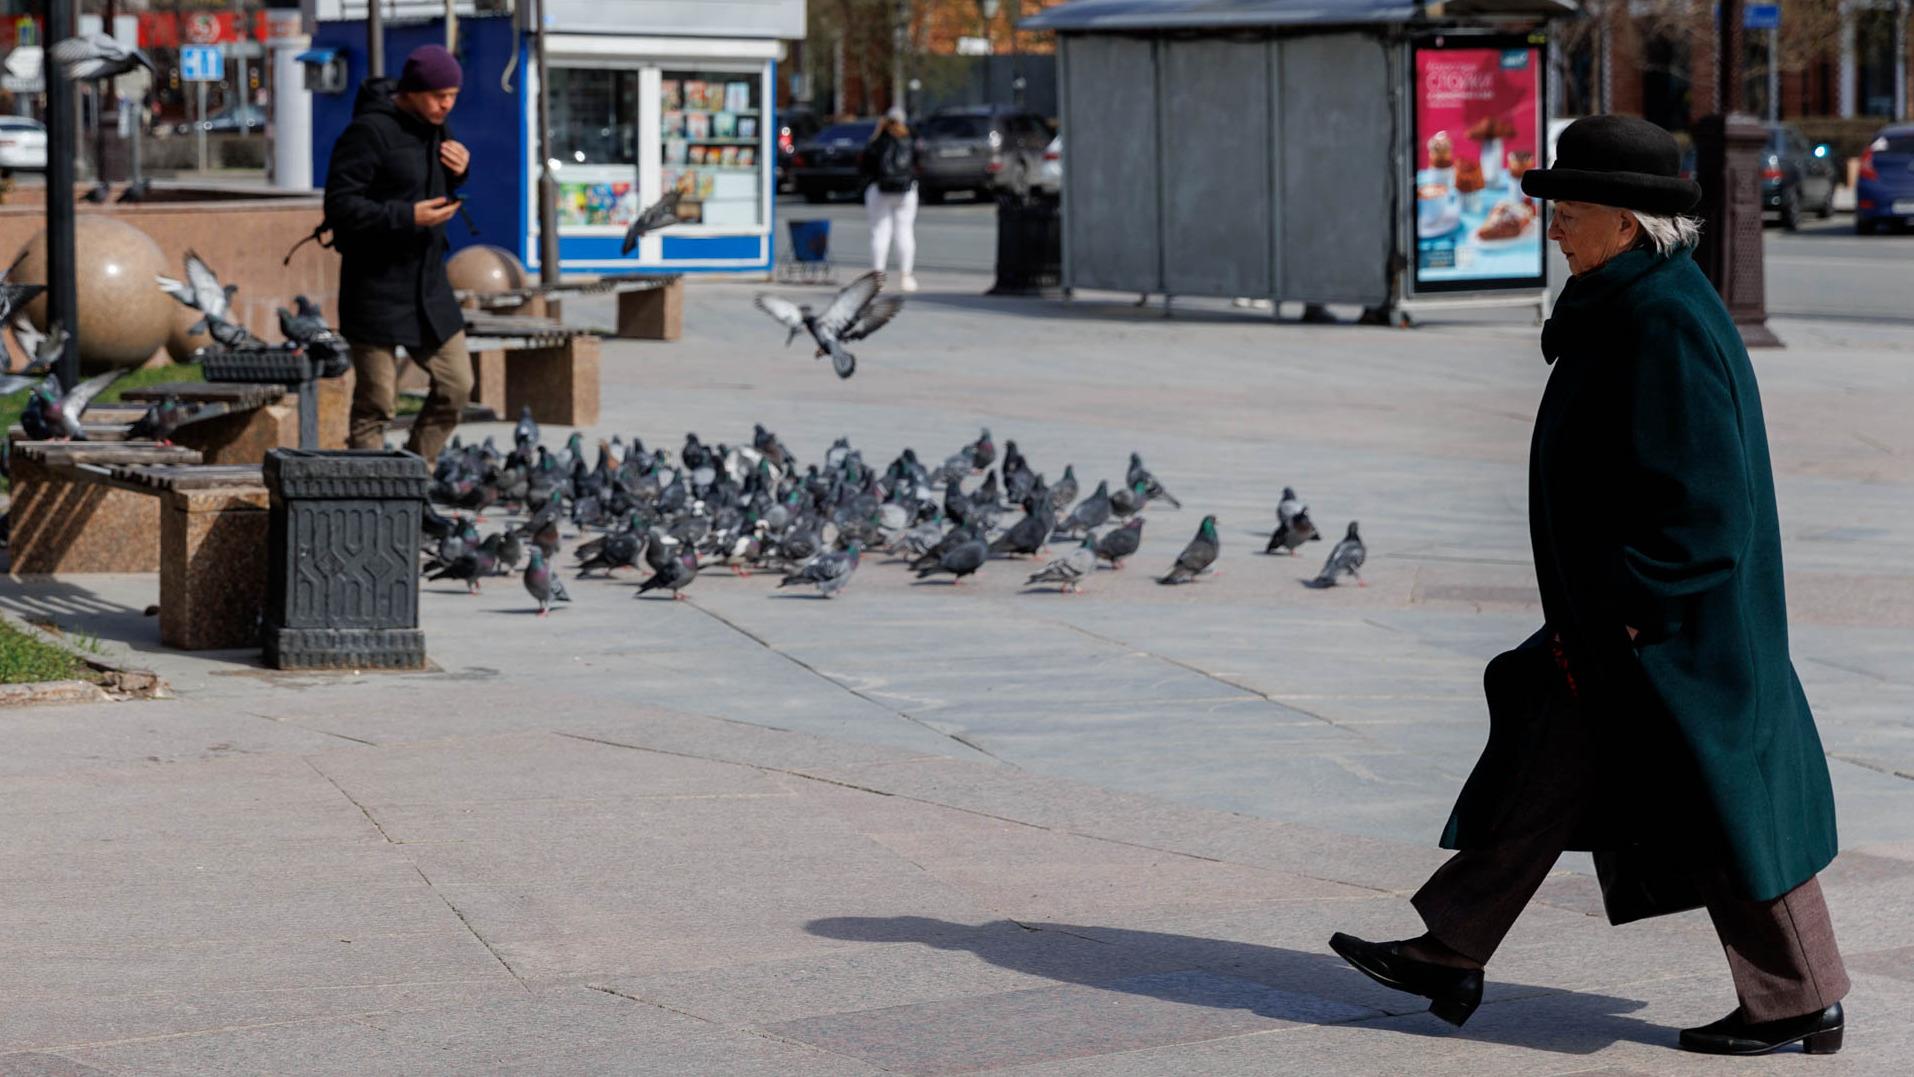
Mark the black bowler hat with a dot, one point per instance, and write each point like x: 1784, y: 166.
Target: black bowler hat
x: 1615, y: 161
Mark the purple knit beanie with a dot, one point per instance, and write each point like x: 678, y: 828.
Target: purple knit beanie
x: 430, y: 67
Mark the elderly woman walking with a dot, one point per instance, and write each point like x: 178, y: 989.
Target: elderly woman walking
x: 1655, y: 719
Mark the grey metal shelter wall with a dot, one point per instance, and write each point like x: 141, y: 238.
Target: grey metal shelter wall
x: 1110, y: 101
x: 1223, y: 166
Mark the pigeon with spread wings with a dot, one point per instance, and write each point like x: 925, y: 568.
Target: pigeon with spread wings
x: 855, y: 313
x: 657, y: 215
x: 90, y: 57
x: 202, y: 291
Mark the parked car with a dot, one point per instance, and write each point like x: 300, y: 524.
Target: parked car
x: 241, y: 117
x: 1796, y: 177
x: 983, y: 149
x: 1884, y: 194
x: 1049, y: 177
x: 825, y: 165
x: 796, y: 124
x: 23, y: 144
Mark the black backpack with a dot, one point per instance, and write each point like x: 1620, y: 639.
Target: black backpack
x: 896, y: 169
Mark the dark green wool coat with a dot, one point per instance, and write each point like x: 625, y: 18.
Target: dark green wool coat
x: 1651, y: 504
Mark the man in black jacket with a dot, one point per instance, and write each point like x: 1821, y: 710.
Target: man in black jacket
x: 388, y: 196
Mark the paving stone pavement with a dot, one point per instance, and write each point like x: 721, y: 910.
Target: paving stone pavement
x: 932, y: 829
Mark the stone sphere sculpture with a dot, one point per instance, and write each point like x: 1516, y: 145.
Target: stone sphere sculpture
x: 485, y: 269
x: 180, y: 343
x: 123, y: 317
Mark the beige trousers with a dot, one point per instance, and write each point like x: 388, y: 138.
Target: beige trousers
x: 375, y: 395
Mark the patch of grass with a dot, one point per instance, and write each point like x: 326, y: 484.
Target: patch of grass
x: 24, y: 660
x: 409, y: 404
x: 140, y: 379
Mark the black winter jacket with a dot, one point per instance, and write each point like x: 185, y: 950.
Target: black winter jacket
x: 392, y: 284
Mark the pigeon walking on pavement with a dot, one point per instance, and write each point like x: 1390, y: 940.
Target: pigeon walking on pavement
x: 963, y: 559
x: 1345, y: 560
x: 1027, y: 536
x: 1197, y: 556
x: 855, y: 313
x: 1119, y: 543
x: 1070, y: 569
x: 830, y: 572
x: 1092, y: 513
x: 1152, y: 490
x: 1293, y: 532
x: 542, y: 584
x: 675, y: 576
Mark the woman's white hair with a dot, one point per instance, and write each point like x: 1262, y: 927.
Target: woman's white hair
x: 1668, y: 233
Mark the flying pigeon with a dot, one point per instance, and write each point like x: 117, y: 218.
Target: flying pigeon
x: 309, y: 330
x: 1121, y: 542
x: 961, y: 560
x: 14, y: 296
x: 676, y: 575
x: 49, y: 415
x: 854, y: 314
x: 657, y: 215
x: 1197, y: 556
x: 91, y: 57
x: 542, y: 584
x: 1091, y: 514
x: 1293, y: 532
x: 202, y: 291
x: 1345, y: 560
x: 830, y: 572
x: 1152, y: 490
x: 1070, y: 570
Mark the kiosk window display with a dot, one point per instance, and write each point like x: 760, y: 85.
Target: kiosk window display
x: 711, y: 128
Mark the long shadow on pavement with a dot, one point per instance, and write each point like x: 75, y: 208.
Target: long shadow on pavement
x: 1273, y: 982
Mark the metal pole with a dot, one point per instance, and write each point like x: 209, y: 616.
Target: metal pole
x: 1774, y: 75
x: 62, y: 291
x: 1728, y: 59
x: 900, y: 44
x: 547, y: 183
x: 375, y: 39
x: 242, y: 93
x: 451, y: 26
x: 199, y: 127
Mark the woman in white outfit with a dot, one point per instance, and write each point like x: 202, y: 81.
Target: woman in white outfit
x: 890, y: 195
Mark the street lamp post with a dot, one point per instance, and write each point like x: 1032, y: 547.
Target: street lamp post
x: 547, y: 183
x: 900, y: 44
x: 61, y: 287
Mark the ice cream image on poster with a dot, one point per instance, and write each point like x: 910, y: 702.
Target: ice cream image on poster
x: 1478, y: 116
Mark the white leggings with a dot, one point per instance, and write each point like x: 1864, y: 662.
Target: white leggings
x: 892, y: 215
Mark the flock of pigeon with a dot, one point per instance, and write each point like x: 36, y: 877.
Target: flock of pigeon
x: 741, y: 508
x: 51, y: 413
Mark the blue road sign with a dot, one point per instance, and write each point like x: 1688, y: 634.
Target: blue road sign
x: 201, y: 63
x: 1761, y: 17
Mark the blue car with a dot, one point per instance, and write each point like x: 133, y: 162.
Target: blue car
x: 1885, y: 193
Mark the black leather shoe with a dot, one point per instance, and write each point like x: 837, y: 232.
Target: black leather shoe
x: 1818, y: 1033
x: 1453, y: 993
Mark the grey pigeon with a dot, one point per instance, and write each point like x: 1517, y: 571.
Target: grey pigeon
x: 1121, y: 542
x: 163, y: 418
x: 615, y: 551
x: 830, y: 573
x: 1289, y: 506
x: 1128, y: 501
x: 1152, y: 489
x: 1091, y: 514
x: 14, y: 296
x: 471, y: 566
x: 1027, y: 536
x: 1345, y: 560
x: 90, y: 57
x: 541, y: 584
x: 1065, y: 491
x: 657, y: 215
x: 202, y: 291
x: 855, y: 313
x: 1070, y: 569
x: 306, y: 326
x: 526, y: 432
x: 1197, y: 556
x: 51, y: 415
x: 676, y: 575
x: 959, y: 561
x: 1293, y: 532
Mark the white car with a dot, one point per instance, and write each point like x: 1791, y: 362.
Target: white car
x: 1049, y: 177
x: 23, y: 143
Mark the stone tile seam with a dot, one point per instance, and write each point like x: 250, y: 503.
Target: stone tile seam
x: 483, y: 941
x: 827, y: 678
x: 760, y: 1033
x: 1864, y: 764
x: 350, y: 799
x: 1220, y: 679
x: 1066, y: 831
x: 58, y: 1049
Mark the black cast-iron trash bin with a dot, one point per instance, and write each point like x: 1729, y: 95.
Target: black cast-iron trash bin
x: 1029, y: 247
x: 343, y: 586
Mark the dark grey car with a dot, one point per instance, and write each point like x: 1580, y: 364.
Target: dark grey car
x: 984, y: 150
x: 826, y: 164
x: 1796, y: 178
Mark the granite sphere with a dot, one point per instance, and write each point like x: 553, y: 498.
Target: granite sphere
x: 123, y: 317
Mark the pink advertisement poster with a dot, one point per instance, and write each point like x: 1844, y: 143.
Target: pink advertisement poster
x: 1478, y: 126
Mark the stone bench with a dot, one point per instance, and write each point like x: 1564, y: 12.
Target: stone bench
x: 69, y: 515
x: 650, y: 306
x: 263, y: 417
x: 520, y: 362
